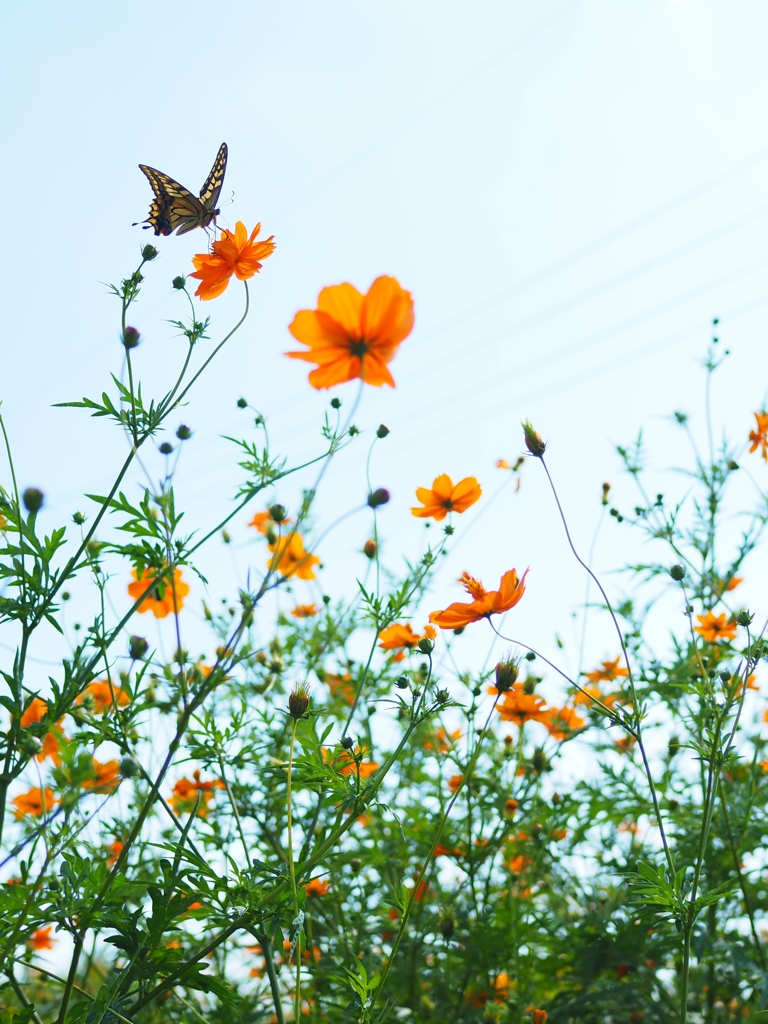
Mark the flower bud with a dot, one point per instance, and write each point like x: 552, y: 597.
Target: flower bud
x: 78, y: 518
x: 731, y: 465
x: 606, y: 489
x: 166, y: 448
x: 335, y: 403
x: 242, y: 404
x: 179, y: 283
x: 33, y: 499
x: 369, y: 549
x: 183, y: 433
x: 148, y: 253
x: 506, y: 675
x: 402, y: 682
x: 425, y: 645
x: 353, y: 430
x: 130, y: 337
x: 677, y: 572
x: 378, y: 497
x: 539, y: 1017
x: 446, y: 924
x: 129, y: 768
x: 442, y: 696
x: 298, y: 700
x: 540, y: 761
x: 347, y: 742
x: 137, y: 647
x: 533, y: 441
x: 510, y: 808
x: 382, y: 431
x: 356, y: 864
x: 744, y: 618
x: 277, y: 513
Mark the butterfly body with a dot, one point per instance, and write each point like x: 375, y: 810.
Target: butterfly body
x: 175, y: 208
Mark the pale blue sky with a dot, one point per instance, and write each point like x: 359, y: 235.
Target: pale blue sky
x: 571, y: 190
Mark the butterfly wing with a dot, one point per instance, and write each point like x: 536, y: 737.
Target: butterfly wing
x: 175, y: 208
x: 209, y: 193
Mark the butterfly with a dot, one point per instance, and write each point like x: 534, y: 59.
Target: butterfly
x: 174, y: 208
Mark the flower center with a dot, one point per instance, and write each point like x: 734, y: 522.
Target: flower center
x: 359, y: 348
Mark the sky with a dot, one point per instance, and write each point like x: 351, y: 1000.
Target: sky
x: 571, y: 189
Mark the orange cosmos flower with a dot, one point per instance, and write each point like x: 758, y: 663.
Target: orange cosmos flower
x: 607, y: 673
x: 35, y: 801
x: 289, y: 558
x: 759, y: 437
x: 353, y: 336
x: 454, y: 782
x: 185, y: 794
x: 562, y: 722
x: 317, y: 887
x: 106, y: 777
x: 35, y: 712
x: 589, y: 694
x: 442, y: 740
x: 345, y: 764
x: 341, y: 687
x: 713, y: 627
x: 42, y: 939
x: 444, y: 497
x: 400, y: 637
x: 520, y: 707
x: 103, y: 696
x: 234, y: 253
x: 263, y: 521
x: 304, y: 611
x: 485, y: 603
x: 519, y: 863
x: 167, y: 599
x: 115, y: 849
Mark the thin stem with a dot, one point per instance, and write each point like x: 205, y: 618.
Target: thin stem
x: 292, y: 868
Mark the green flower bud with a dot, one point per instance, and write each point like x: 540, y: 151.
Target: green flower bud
x: 183, y: 433
x: 130, y: 337
x: 382, y: 431
x: 179, y: 283
x: 677, y: 572
x: 378, y: 497
x: 33, y: 499
x: 148, y: 253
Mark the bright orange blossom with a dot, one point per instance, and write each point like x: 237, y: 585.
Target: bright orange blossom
x: 290, y: 559
x: 713, y: 627
x: 234, y: 253
x: 485, y: 603
x: 167, y: 599
x: 444, y: 496
x: 351, y: 335
x: 759, y: 436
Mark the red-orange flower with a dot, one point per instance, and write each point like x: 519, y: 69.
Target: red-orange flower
x: 103, y: 696
x: 713, y: 627
x: 185, y: 794
x: 445, y: 496
x: 563, y: 721
x: 290, y: 559
x: 341, y: 687
x: 234, y: 253
x: 351, y: 335
x: 115, y: 849
x: 759, y: 437
x: 520, y: 707
x: 35, y: 801
x: 35, y: 712
x: 304, y: 611
x: 106, y: 777
x: 610, y: 670
x: 42, y: 938
x: 485, y: 603
x: 167, y: 599
x: 317, y: 887
x: 345, y: 764
x: 454, y: 782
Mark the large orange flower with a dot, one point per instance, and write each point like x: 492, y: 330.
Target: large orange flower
x: 106, y: 777
x: 485, y: 603
x: 351, y: 335
x: 345, y: 763
x: 445, y: 497
x: 42, y: 938
x: 521, y: 707
x: 233, y: 254
x: 564, y: 721
x: 759, y: 437
x: 185, y: 793
x: 103, y: 696
x: 167, y: 599
x: 35, y: 712
x: 713, y: 627
x: 290, y: 559
x: 35, y: 801
x: 400, y: 637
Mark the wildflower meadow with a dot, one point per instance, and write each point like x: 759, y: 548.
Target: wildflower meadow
x: 297, y: 804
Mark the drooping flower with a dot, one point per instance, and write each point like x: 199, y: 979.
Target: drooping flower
x: 713, y: 627
x: 444, y: 496
x: 561, y: 722
x: 354, y: 336
x: 234, y: 253
x: 290, y: 559
x: 304, y: 611
x: 35, y: 802
x: 167, y: 599
x: 317, y: 887
x: 610, y: 670
x: 106, y: 777
x: 485, y: 603
x: 759, y: 436
x: 103, y: 696
x: 521, y: 707
x: 42, y: 938
x: 185, y: 793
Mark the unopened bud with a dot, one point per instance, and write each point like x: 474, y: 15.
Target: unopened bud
x: 33, y: 499
x: 369, y: 549
x: 179, y: 283
x: 378, y: 497
x: 277, y: 513
x: 298, y: 700
x: 606, y: 489
x: 402, y: 682
x: 130, y: 337
x: 356, y: 864
x: 183, y: 433
x: 510, y: 808
x: 166, y: 448
x: 382, y: 431
x: 148, y: 253
x: 137, y: 647
x: 744, y: 618
x: 506, y: 675
x: 78, y: 518
x: 347, y: 742
x: 533, y: 440
x: 425, y: 645
x: 242, y: 404
x: 129, y: 768
x: 677, y: 572
x: 447, y: 925
x: 335, y: 403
